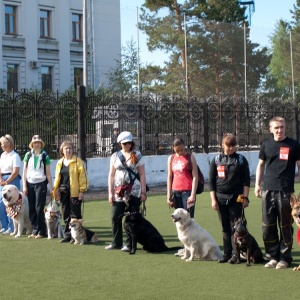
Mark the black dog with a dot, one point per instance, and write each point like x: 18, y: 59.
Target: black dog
x: 246, y: 243
x: 140, y: 230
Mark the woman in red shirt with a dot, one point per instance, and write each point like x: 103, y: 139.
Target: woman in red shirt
x: 182, y: 178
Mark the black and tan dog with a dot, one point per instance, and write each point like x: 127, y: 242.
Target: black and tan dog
x: 295, y: 204
x: 246, y: 243
x: 140, y: 230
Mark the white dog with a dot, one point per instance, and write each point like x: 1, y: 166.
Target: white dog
x: 198, y: 243
x: 53, y: 217
x: 17, y: 208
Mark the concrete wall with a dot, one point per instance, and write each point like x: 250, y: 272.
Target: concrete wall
x: 155, y: 166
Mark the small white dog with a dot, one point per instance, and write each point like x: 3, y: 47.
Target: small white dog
x: 53, y: 217
x: 198, y: 243
x: 17, y: 208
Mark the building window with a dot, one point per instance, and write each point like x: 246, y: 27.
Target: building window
x: 10, y: 20
x: 12, y: 77
x: 44, y: 24
x: 77, y: 27
x: 78, y: 77
x: 46, y: 78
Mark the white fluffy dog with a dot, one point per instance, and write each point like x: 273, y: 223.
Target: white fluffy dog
x: 198, y: 243
x: 53, y: 217
x: 17, y: 208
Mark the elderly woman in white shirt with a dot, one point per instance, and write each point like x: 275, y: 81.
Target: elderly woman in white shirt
x: 10, y: 164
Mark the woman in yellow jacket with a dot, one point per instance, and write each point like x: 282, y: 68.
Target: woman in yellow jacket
x: 70, y: 183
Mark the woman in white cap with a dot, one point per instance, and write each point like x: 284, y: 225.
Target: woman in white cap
x: 127, y: 157
x: 36, y: 176
x: 10, y: 164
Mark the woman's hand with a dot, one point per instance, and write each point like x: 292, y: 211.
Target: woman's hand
x: 143, y: 196
x: 111, y: 198
x: 81, y: 196
x: 214, y: 204
x: 191, y: 200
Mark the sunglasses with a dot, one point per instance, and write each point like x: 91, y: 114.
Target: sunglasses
x: 127, y: 143
x: 35, y: 137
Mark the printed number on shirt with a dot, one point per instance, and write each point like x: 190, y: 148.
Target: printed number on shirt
x: 284, y: 153
x: 221, y: 171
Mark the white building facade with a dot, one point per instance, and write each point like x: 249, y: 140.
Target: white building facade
x: 42, y: 43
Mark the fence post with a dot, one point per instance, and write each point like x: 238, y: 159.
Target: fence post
x: 81, y: 136
x: 205, y: 127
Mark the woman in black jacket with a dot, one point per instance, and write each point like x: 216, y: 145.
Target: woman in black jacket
x: 229, y: 182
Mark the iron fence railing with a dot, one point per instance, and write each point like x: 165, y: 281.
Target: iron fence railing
x: 154, y: 121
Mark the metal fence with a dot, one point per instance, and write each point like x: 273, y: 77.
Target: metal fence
x: 154, y: 121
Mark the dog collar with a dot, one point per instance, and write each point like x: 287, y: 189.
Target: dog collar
x: 131, y: 213
x: 14, y: 209
x: 298, y: 236
x: 187, y: 225
x: 240, y: 237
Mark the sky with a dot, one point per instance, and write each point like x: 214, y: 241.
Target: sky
x: 267, y: 13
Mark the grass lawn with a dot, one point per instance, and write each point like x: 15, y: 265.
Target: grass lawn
x: 45, y: 269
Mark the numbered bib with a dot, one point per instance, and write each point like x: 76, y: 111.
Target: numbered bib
x: 221, y: 171
x: 284, y: 153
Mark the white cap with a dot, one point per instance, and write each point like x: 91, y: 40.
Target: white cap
x: 124, y: 137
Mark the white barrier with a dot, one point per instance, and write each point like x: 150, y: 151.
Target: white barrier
x: 155, y: 166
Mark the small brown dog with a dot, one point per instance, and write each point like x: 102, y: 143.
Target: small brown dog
x: 295, y: 204
x: 80, y: 234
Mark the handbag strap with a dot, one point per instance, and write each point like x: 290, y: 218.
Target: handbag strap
x: 130, y: 172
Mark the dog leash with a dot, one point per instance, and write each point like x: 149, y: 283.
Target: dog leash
x: 143, y: 208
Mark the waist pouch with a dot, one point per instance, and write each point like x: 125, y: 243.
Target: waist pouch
x: 64, y: 188
x: 223, y: 200
x: 122, y: 189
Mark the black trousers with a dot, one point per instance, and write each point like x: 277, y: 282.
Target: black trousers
x: 70, y: 209
x: 227, y: 214
x: 117, y: 210
x: 37, y: 193
x: 277, y: 225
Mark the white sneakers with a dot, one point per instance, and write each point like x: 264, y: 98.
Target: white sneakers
x: 277, y: 265
x: 111, y: 247
x: 7, y: 232
x: 125, y: 249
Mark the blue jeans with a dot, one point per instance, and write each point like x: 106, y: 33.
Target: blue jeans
x: 181, y: 201
x: 6, y: 221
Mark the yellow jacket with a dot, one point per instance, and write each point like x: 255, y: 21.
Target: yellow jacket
x: 78, y: 176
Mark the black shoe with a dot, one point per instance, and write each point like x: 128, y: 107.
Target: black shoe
x: 223, y: 260
x: 233, y: 260
x: 65, y: 240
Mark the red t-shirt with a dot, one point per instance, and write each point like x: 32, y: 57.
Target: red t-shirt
x: 182, y: 177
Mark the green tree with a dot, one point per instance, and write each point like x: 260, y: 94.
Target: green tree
x: 285, y: 36
x: 124, y: 77
x: 215, y: 52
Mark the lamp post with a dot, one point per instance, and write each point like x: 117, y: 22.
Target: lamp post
x: 84, y: 37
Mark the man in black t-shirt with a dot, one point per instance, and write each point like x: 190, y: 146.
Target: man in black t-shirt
x: 277, y: 158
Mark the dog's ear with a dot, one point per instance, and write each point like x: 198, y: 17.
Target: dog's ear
x: 293, y: 199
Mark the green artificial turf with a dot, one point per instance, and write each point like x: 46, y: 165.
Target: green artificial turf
x: 46, y: 269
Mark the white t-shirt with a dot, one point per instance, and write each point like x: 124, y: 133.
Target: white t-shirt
x: 8, y: 161
x: 122, y: 176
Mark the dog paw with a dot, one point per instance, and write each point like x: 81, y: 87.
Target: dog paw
x: 17, y: 236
